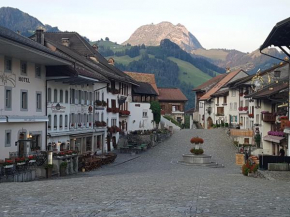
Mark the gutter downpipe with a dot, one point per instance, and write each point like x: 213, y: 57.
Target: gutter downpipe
x: 284, y: 51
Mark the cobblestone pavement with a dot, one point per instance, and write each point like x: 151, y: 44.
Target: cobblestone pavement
x: 153, y: 185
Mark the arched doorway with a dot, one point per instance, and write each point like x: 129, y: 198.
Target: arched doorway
x: 209, y: 122
x: 108, y: 143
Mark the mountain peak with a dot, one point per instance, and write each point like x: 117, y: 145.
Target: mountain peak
x: 152, y: 34
x: 16, y: 20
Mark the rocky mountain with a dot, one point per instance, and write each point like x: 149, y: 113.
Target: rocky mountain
x: 234, y: 59
x: 151, y: 35
x: 16, y: 20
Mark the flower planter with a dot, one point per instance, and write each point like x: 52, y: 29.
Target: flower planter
x: 8, y: 166
x: 21, y: 163
x: 48, y: 172
x: 32, y: 161
x: 62, y: 171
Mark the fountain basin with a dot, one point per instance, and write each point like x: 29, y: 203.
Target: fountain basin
x: 196, y: 159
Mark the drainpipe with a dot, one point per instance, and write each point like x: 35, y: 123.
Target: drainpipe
x: 46, y: 114
x: 288, y: 148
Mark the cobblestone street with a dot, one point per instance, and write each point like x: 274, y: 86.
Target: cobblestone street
x: 154, y: 185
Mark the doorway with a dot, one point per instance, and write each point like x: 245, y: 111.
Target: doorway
x: 209, y: 122
x: 108, y: 143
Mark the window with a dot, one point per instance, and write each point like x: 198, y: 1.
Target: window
x: 103, y: 96
x: 80, y: 97
x: 86, y: 98
x: 23, y: 68
x: 8, y: 64
x: 233, y: 92
x: 72, y: 96
x: 257, y: 119
x: 66, y: 96
x: 7, y: 138
x: 220, y: 110
x: 60, y: 121
x: 113, y: 103
x: 113, y: 122
x: 61, y: 96
x: 235, y: 106
x: 246, y: 140
x: 91, y: 98
x: 231, y: 106
x: 241, y: 103
x: 38, y: 101
x: 49, y: 122
x: 98, y: 96
x: 97, y: 116
x: 55, y: 95
x: 200, y: 105
x: 236, y: 118
x: 225, y: 99
x: 37, y: 71
x: 8, y: 98
x: 65, y: 120
x: 102, y: 116
x: 144, y: 114
x: 217, y: 100
x: 55, y: 122
x: 24, y: 98
x: 49, y: 95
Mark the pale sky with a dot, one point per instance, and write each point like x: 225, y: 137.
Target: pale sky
x: 232, y: 24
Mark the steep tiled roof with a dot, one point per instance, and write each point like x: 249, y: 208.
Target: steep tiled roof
x: 190, y: 111
x: 241, y: 81
x: 221, y: 92
x: 208, y: 84
x: 220, y: 84
x: 145, y: 88
x: 144, y: 77
x: 171, y: 94
x: 269, y: 90
x: 79, y: 46
x: 10, y: 35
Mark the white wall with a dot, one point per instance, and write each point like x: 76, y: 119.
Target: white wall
x: 136, y: 117
x: 32, y: 85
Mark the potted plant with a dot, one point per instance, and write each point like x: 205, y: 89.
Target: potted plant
x: 48, y: 168
x: 196, y: 150
x: 62, y: 168
x: 98, y: 103
x: 104, y: 103
x: 257, y: 139
x: 8, y: 163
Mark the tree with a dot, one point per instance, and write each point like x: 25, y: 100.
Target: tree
x: 156, y: 110
x: 107, y: 39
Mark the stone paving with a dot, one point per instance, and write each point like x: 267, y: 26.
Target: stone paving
x: 153, y: 185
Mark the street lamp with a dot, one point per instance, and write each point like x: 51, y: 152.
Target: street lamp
x: 58, y: 107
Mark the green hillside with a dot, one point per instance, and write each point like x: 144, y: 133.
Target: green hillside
x: 188, y: 73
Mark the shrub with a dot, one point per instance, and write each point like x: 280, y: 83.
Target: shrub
x: 248, y: 167
x: 214, y: 125
x: 63, y: 164
x: 226, y: 125
x: 47, y: 166
x: 222, y: 124
x: 196, y: 151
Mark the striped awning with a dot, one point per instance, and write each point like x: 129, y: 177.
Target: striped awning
x: 276, y: 139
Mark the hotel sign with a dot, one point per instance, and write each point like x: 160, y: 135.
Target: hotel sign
x: 24, y: 79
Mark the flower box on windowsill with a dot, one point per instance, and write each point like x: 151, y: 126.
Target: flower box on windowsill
x: 32, y: 161
x: 21, y: 163
x: 8, y: 166
x: 224, y: 104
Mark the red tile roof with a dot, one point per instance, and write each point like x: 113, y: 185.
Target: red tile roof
x: 171, y: 94
x: 220, y: 84
x: 210, y: 82
x: 144, y: 77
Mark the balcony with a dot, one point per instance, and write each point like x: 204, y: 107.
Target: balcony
x: 243, y: 110
x: 269, y: 117
x: 242, y: 133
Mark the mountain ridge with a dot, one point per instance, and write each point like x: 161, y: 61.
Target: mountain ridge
x: 152, y: 34
x: 25, y: 24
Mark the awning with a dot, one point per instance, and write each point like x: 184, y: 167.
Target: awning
x: 287, y: 130
x: 276, y: 139
x: 16, y: 119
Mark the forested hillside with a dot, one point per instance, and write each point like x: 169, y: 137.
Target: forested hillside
x: 172, y: 66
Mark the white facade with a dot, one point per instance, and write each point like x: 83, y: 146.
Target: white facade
x: 22, y: 107
x: 141, y: 117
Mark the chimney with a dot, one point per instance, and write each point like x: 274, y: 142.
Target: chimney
x: 95, y: 46
x: 111, y: 61
x: 65, y: 42
x: 40, y: 36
